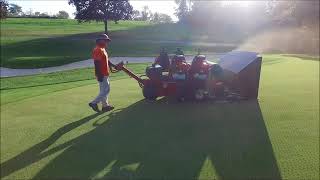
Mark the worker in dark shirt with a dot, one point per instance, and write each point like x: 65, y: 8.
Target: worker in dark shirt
x: 163, y: 60
x: 179, y: 52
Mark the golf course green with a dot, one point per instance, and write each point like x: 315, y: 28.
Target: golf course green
x: 48, y: 131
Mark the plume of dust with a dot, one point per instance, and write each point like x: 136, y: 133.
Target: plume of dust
x: 303, y: 40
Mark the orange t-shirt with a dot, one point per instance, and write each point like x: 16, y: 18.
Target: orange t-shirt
x: 100, y: 54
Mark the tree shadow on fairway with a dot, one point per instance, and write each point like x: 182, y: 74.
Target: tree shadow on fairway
x: 138, y: 41
x: 171, y: 141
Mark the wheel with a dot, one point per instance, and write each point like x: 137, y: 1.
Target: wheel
x: 181, y: 91
x: 199, y: 94
x: 149, y: 91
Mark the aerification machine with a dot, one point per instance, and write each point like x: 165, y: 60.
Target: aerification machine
x: 234, y: 77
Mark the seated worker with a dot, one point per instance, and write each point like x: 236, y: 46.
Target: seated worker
x: 162, y: 60
x: 179, y: 68
x: 179, y: 52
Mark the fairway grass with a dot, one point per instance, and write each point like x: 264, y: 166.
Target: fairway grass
x: 36, y: 43
x: 56, y: 135
x: 23, y: 87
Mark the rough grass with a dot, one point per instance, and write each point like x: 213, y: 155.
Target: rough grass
x: 34, y: 43
x: 55, y: 135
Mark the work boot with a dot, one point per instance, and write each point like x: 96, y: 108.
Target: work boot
x: 94, y: 107
x: 107, y: 108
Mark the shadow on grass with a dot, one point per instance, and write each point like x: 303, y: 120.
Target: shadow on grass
x: 140, y: 41
x: 36, y: 152
x: 160, y: 140
x: 46, y: 52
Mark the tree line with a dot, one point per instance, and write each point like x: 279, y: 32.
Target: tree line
x: 147, y: 15
x: 14, y: 10
x: 260, y: 15
x: 91, y: 10
x: 263, y: 26
x: 196, y: 13
x: 113, y: 10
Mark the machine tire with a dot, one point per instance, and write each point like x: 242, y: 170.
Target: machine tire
x: 199, y: 95
x: 181, y: 91
x: 149, y: 92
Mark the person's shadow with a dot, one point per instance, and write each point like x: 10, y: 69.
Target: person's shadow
x: 170, y: 141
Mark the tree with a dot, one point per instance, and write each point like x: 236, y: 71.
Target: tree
x: 146, y: 14
x: 63, y: 15
x: 15, y: 10
x: 3, y: 9
x: 122, y: 10
x: 102, y: 10
x: 184, y: 6
x: 155, y: 18
x: 161, y: 18
x: 302, y: 13
x: 164, y: 18
x: 44, y: 14
x: 37, y: 13
x: 136, y: 15
x: 29, y: 12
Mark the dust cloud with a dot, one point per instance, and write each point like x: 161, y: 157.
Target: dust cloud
x: 303, y: 40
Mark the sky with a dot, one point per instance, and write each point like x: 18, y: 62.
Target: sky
x: 53, y: 6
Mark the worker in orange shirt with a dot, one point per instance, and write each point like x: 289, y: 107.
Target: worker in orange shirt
x: 101, y: 64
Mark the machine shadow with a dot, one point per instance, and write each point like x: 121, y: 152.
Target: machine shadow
x: 161, y: 140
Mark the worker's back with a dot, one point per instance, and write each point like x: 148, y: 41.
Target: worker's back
x: 163, y: 60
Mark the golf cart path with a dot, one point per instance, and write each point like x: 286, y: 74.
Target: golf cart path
x: 8, y: 72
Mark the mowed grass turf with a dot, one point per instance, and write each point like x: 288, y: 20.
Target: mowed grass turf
x: 34, y: 43
x: 55, y: 135
x: 64, y: 77
x: 19, y: 88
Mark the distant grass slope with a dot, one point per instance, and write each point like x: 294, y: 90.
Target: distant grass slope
x: 32, y: 43
x: 15, y: 30
x: 56, y: 136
